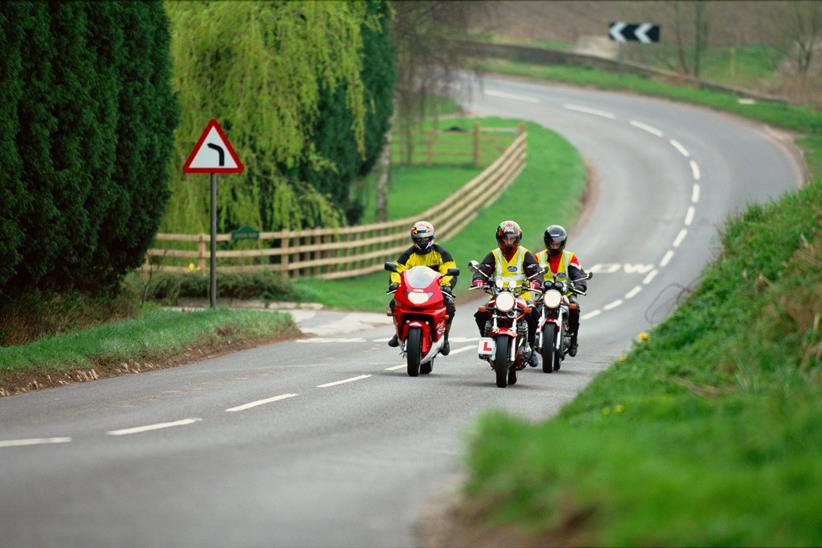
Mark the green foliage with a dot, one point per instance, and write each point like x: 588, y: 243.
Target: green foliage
x: 288, y: 82
x: 711, y: 432
x: 84, y: 166
x: 169, y: 288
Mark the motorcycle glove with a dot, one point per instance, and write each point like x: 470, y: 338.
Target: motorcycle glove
x: 393, y: 287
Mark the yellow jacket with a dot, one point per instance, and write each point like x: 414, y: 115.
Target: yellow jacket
x: 438, y: 259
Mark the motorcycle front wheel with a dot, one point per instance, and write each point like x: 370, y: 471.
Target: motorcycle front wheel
x: 501, y: 361
x: 413, y: 350
x: 548, y: 350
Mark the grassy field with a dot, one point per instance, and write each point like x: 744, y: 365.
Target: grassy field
x: 710, y: 433
x: 156, y: 334
x: 548, y: 191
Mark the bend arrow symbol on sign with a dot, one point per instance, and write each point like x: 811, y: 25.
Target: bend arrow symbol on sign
x: 646, y: 33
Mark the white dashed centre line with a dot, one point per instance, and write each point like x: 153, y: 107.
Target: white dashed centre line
x: 645, y: 127
x: 612, y: 305
x: 677, y: 145
x: 593, y: 111
x: 667, y: 258
x: 394, y: 368
x: 695, y: 170
x: 158, y: 426
x: 592, y: 314
x: 463, y: 349
x: 680, y: 237
x: 650, y: 277
x: 260, y: 402
x: 695, y: 194
x: 33, y: 441
x: 512, y: 96
x: 689, y: 217
x: 632, y: 293
x: 352, y: 379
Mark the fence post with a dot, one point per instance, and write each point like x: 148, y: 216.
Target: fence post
x: 476, y: 144
x: 430, y: 144
x: 284, y: 261
x: 201, y: 253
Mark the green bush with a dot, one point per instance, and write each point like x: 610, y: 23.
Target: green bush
x: 169, y: 288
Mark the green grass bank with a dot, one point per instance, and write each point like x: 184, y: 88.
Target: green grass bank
x: 549, y: 190
x: 150, y: 340
x: 710, y: 433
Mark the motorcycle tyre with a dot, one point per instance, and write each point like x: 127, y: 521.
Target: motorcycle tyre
x: 413, y: 350
x: 501, y: 361
x: 548, y: 350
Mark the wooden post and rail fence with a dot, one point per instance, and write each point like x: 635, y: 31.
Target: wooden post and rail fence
x: 330, y: 253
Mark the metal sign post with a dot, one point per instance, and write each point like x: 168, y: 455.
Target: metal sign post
x: 213, y: 154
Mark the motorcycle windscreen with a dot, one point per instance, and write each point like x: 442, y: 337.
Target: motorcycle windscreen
x: 420, y: 277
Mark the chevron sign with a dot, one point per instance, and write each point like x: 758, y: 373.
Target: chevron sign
x: 636, y: 32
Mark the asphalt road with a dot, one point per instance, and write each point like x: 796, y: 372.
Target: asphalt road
x: 267, y: 447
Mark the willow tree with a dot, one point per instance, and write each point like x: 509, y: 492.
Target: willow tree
x: 261, y: 69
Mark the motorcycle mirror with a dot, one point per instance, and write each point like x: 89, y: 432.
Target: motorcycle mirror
x: 589, y: 276
x: 452, y: 272
x: 390, y: 267
x: 473, y: 264
x: 532, y: 268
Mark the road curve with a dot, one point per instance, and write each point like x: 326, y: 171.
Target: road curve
x: 326, y: 442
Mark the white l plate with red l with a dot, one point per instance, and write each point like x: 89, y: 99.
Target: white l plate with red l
x: 486, y: 347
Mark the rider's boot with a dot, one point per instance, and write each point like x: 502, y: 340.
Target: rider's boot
x: 446, y: 346
x: 533, y: 361
x: 572, y: 349
x: 394, y: 342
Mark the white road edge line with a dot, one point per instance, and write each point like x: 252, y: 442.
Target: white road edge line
x: 650, y: 277
x: 33, y: 441
x: 645, y: 127
x: 463, y: 349
x: 632, y: 293
x: 695, y: 193
x: 612, y: 305
x: 259, y: 402
x: 689, y: 217
x: 695, y: 170
x: 352, y: 379
x: 667, y: 258
x: 504, y: 95
x: 147, y: 428
x: 593, y: 111
x: 591, y: 314
x: 680, y: 237
x: 677, y: 145
x: 395, y: 367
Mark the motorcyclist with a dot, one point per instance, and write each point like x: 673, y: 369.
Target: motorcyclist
x: 512, y: 263
x: 424, y: 252
x: 564, y: 266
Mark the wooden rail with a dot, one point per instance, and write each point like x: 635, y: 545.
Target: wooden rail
x: 330, y: 253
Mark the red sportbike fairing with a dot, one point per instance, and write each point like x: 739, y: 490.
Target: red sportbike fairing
x: 420, y: 316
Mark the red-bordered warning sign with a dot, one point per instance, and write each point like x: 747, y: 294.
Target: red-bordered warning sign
x: 213, y: 153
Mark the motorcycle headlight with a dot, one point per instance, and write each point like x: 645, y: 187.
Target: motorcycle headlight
x: 419, y: 298
x: 552, y: 298
x: 505, y: 302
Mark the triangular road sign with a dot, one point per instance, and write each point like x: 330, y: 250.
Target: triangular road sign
x: 213, y: 153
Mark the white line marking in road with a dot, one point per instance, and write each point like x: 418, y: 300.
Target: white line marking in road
x: 385, y: 339
x: 689, y: 217
x: 628, y: 268
x: 352, y: 379
x: 260, y: 402
x: 612, y: 305
x: 645, y: 127
x: 33, y: 441
x: 632, y: 293
x: 463, y: 339
x: 328, y: 340
x: 667, y: 258
x: 504, y: 95
x: 695, y: 193
x: 695, y: 170
x: 593, y: 111
x: 394, y: 368
x: 592, y: 314
x: 677, y: 145
x: 650, y: 277
x: 158, y: 426
x: 680, y: 237
x: 463, y: 349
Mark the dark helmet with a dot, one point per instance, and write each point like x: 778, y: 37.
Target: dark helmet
x: 557, y: 236
x: 422, y: 234
x: 509, y: 235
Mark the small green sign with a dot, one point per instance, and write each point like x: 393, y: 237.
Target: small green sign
x: 245, y: 233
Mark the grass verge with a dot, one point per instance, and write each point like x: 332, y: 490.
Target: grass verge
x: 710, y: 433
x: 548, y: 191
x: 154, y: 339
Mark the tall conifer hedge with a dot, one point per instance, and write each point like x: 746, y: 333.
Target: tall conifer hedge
x: 86, y: 122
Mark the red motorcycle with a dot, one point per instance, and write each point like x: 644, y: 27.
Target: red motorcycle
x: 420, y: 315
